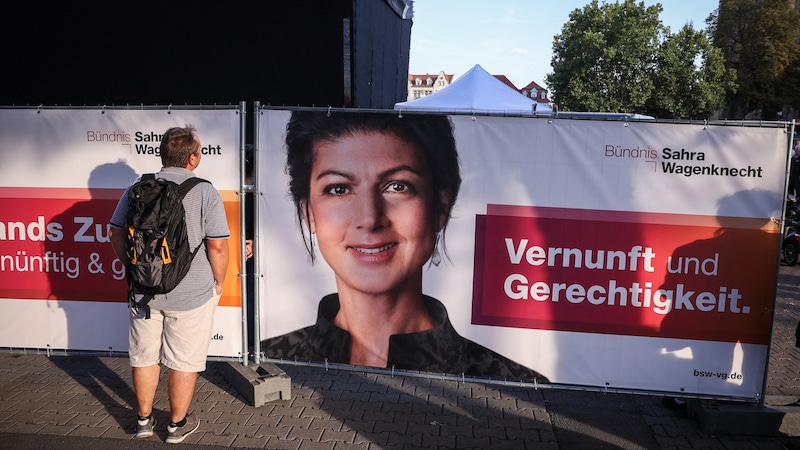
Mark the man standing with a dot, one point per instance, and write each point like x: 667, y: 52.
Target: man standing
x: 179, y: 331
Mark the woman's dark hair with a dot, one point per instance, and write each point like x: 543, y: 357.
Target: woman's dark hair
x: 431, y: 134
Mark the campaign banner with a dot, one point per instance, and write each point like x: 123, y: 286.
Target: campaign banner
x: 63, y: 173
x: 628, y: 255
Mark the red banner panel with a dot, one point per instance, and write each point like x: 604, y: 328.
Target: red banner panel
x: 624, y: 274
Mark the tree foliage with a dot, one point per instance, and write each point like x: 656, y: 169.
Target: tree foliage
x: 603, y: 57
x: 758, y: 41
x: 619, y: 57
x: 685, y: 90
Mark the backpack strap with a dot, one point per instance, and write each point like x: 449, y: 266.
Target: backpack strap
x: 141, y: 303
x: 184, y: 188
x: 189, y: 183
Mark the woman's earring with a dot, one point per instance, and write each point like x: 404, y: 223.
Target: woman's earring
x: 436, y: 258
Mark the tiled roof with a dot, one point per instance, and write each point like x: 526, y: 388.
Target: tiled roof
x: 506, y: 81
x: 533, y: 85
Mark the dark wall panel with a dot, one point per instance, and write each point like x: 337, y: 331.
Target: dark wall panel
x: 382, y: 40
x: 279, y: 53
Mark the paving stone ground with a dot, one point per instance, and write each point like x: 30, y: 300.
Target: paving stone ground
x: 87, y: 402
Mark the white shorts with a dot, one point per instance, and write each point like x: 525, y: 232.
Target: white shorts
x: 177, y: 339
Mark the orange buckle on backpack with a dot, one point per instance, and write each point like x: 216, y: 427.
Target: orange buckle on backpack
x: 131, y: 232
x: 166, y: 256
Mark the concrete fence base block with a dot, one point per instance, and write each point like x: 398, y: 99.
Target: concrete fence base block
x: 717, y: 417
x: 259, y: 384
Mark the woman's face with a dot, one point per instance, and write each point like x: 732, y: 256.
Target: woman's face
x: 370, y: 206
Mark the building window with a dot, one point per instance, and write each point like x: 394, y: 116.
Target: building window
x: 429, y: 82
x: 418, y: 82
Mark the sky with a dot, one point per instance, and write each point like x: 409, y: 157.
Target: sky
x: 511, y: 37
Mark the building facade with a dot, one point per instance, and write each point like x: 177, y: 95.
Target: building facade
x: 424, y: 85
x: 535, y: 92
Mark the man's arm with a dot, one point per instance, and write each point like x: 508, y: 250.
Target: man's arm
x: 218, y: 257
x: 119, y: 240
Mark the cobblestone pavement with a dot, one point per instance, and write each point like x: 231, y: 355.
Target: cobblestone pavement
x: 87, y: 402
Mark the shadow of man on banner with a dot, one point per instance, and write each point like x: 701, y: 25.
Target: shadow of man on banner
x: 93, y: 275
x: 723, y: 292
x: 84, y: 293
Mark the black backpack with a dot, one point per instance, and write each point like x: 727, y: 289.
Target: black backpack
x: 158, y: 245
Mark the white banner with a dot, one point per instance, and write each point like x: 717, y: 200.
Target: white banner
x: 62, y: 173
x: 635, y: 255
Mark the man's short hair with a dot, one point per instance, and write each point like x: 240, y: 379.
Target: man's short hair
x: 177, y: 145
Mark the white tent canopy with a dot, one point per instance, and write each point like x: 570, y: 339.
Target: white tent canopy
x: 476, y: 92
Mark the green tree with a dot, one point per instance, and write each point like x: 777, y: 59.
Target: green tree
x: 758, y: 40
x: 619, y: 57
x: 684, y: 90
x: 604, y: 57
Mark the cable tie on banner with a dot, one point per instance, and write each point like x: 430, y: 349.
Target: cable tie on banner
x: 399, y: 114
x: 169, y: 109
x: 329, y: 111
x: 705, y: 124
x: 103, y: 109
x: 39, y: 109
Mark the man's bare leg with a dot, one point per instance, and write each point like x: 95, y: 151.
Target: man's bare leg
x: 180, y: 387
x: 145, y: 383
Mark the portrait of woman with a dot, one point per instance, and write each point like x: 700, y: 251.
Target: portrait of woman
x: 373, y: 193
